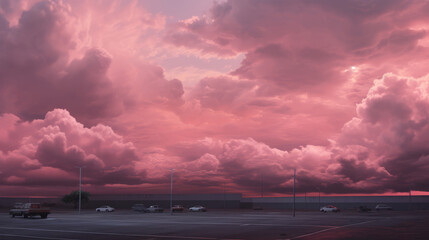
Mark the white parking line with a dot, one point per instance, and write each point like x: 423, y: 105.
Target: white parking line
x: 106, y: 233
x: 34, y: 237
x: 151, y: 221
x: 329, y: 229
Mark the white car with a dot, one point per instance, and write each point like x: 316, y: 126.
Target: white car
x: 105, y: 209
x: 197, y: 209
x: 329, y: 208
x: 155, y: 208
x: 381, y: 207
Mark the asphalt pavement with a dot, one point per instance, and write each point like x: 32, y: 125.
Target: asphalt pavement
x: 209, y: 225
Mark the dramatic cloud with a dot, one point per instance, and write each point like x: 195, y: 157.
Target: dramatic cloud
x: 382, y: 149
x: 392, y: 124
x: 231, y: 98
x: 306, y: 45
x: 40, y: 59
x: 50, y: 149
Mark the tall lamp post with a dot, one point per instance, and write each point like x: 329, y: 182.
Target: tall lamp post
x: 224, y: 195
x: 171, y: 193
x: 294, y: 173
x: 262, y: 185
x: 80, y: 188
x: 319, y: 196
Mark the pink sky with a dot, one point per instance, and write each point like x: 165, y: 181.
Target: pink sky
x: 228, y: 93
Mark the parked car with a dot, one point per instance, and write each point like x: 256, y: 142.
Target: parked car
x: 382, y: 206
x: 155, y: 208
x: 105, y: 208
x: 18, y: 205
x: 140, y: 208
x: 197, y: 209
x: 29, y: 210
x: 363, y: 209
x: 329, y: 208
x: 177, y: 208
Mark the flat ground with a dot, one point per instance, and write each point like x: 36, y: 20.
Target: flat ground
x: 218, y: 225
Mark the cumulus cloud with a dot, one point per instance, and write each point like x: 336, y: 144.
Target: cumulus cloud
x: 382, y: 149
x: 392, y: 123
x: 49, y: 150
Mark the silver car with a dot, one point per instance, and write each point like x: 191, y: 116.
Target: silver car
x: 197, y: 209
x: 381, y: 207
x: 105, y: 208
x: 329, y: 208
x: 155, y: 208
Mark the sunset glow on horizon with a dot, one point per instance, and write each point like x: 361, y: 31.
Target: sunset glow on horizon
x: 233, y: 95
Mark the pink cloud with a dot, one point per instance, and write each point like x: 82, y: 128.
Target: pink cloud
x: 47, y: 57
x: 50, y: 149
x: 305, y: 46
x: 392, y: 126
x: 304, y: 96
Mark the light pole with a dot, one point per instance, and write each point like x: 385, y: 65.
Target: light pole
x: 319, y: 196
x: 305, y: 200
x: 409, y: 195
x: 171, y: 193
x: 294, y: 172
x: 80, y: 187
x: 224, y: 195
x: 409, y: 199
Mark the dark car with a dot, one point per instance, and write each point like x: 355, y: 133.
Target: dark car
x: 363, y: 209
x: 177, y: 208
x: 140, y: 208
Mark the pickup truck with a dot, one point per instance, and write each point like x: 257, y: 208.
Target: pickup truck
x: 30, y: 209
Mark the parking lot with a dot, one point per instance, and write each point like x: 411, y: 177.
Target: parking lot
x: 218, y: 225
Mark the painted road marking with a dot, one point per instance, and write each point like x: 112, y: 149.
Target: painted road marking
x: 329, y: 229
x: 107, y: 233
x: 33, y: 237
x: 151, y: 221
